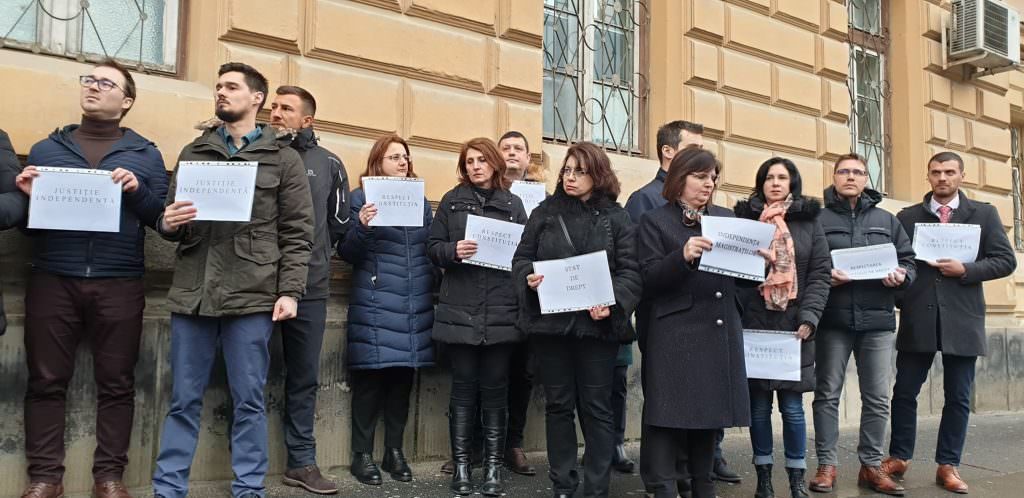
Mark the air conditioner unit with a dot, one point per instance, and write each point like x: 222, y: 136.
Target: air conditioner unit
x: 985, y: 34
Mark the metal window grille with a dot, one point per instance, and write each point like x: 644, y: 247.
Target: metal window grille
x: 142, y: 33
x: 593, y: 89
x: 869, y: 88
x: 1018, y: 207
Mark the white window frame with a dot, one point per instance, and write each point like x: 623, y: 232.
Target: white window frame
x: 65, y: 38
x: 586, y: 74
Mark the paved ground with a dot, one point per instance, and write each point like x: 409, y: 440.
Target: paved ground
x: 993, y: 466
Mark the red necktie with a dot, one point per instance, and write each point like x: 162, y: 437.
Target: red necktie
x: 945, y: 212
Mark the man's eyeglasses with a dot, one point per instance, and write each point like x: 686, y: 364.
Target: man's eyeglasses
x: 398, y: 157
x: 576, y: 172
x: 103, y: 84
x: 851, y: 172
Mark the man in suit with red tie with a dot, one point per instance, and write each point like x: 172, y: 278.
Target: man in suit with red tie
x: 943, y: 311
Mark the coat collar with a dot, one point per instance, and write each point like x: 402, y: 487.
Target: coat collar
x: 501, y: 199
x: 960, y: 214
x: 867, y: 200
x: 802, y: 209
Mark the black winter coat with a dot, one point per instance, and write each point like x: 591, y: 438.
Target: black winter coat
x: 599, y: 224
x: 13, y: 203
x: 813, y: 271
x: 953, y: 308
x: 693, y: 369
x: 863, y: 305
x: 477, y: 305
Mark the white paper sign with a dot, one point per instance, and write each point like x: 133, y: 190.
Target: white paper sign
x: 735, y: 244
x: 75, y: 199
x: 866, y: 263
x: 399, y: 200
x: 530, y: 192
x: 957, y: 241
x: 496, y: 241
x: 771, y: 354
x: 219, y: 190
x: 574, y: 284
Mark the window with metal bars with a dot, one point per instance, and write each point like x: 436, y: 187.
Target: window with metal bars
x: 869, y: 87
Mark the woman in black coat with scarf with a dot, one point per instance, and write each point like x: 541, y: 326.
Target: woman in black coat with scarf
x: 576, y: 351
x: 792, y: 298
x: 694, y: 376
x: 476, y: 312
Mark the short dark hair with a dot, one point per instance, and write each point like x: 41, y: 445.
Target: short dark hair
x: 515, y: 134
x: 942, y: 157
x: 853, y: 156
x: 795, y: 183
x: 307, y: 98
x: 598, y: 166
x: 668, y: 134
x: 253, y: 78
x: 691, y: 160
x: 129, y: 82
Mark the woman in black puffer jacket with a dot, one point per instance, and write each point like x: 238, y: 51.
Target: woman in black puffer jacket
x: 791, y: 299
x: 576, y: 351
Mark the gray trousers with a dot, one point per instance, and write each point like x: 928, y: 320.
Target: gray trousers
x: 873, y: 353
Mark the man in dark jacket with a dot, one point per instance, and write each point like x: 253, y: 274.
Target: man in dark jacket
x: 89, y: 284
x: 232, y: 281
x: 302, y: 337
x: 859, y: 318
x: 13, y: 203
x: 944, y: 311
x: 673, y: 137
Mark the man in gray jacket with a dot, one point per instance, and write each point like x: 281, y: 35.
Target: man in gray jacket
x: 293, y: 109
x: 859, y: 318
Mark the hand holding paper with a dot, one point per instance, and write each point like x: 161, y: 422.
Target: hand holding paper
x: 874, y: 262
x: 176, y: 214
x: 24, y: 179
x: 738, y: 247
x: 949, y: 267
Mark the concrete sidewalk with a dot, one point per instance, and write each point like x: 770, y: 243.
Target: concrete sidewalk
x: 993, y: 466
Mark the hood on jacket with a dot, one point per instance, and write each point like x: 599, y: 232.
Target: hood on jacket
x: 802, y: 209
x: 868, y: 199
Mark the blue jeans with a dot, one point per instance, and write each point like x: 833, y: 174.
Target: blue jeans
x: 194, y: 341
x: 794, y: 428
x: 957, y: 383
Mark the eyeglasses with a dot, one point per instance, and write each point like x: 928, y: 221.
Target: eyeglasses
x: 398, y: 157
x: 576, y: 172
x: 103, y: 84
x: 851, y: 172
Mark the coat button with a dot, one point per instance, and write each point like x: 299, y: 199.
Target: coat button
x: 718, y: 295
x: 719, y: 322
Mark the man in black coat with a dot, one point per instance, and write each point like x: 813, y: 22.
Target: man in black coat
x: 944, y: 311
x: 13, y: 203
x: 293, y: 109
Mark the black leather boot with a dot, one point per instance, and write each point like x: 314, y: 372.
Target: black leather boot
x: 364, y: 470
x: 494, y: 450
x: 797, y: 487
x: 764, y: 481
x: 461, y: 420
x: 621, y: 461
x: 394, y: 464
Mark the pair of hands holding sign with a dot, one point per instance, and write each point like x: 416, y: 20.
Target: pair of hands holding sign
x: 534, y: 280
x: 129, y: 183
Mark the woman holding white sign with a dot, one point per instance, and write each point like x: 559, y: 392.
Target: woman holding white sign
x: 390, y: 315
x: 476, y: 312
x: 694, y: 375
x: 792, y: 298
x: 576, y: 350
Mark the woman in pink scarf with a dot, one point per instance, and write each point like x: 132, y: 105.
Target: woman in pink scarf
x: 791, y: 299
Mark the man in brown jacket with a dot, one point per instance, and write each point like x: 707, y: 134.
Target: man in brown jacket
x: 232, y: 280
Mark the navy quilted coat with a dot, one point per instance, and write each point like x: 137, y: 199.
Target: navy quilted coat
x: 391, y: 308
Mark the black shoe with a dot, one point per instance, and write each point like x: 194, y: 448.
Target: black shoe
x: 797, y: 487
x: 394, y: 464
x: 461, y: 420
x: 621, y: 461
x: 494, y: 422
x: 462, y: 480
x: 364, y: 470
x: 764, y: 481
x: 722, y: 472
x: 683, y: 486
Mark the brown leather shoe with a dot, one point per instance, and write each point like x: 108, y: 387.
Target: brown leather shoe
x: 310, y: 479
x: 110, y: 489
x: 43, y: 490
x: 824, y: 479
x: 895, y: 467
x: 948, y: 477
x: 877, y: 480
x: 515, y: 459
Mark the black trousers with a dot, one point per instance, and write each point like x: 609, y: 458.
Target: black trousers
x: 661, y: 451
x: 480, y: 373
x: 302, y: 338
x: 577, y: 376
x: 520, y: 390
x: 380, y: 393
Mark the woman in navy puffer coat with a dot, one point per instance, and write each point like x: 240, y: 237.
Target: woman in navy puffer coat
x: 390, y: 318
